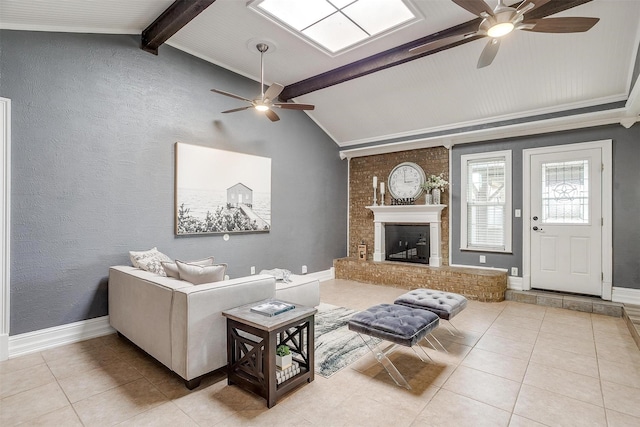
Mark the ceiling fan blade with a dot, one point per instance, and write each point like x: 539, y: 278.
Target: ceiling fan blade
x: 489, y: 53
x: 437, y: 44
x: 221, y: 92
x: 238, y: 109
x: 536, y: 4
x: 477, y: 7
x: 294, y: 106
x: 273, y: 91
x: 562, y: 25
x: 272, y: 115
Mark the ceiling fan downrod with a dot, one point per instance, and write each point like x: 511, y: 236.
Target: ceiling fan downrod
x: 262, y: 48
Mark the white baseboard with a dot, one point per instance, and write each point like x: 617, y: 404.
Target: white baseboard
x: 44, y: 339
x: 626, y: 295
x: 323, y: 275
x: 515, y: 283
x: 4, y: 347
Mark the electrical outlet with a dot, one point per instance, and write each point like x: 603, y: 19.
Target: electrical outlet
x: 253, y: 269
x: 514, y: 271
x: 483, y: 259
x: 304, y: 269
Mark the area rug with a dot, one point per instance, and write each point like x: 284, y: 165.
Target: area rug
x: 336, y: 346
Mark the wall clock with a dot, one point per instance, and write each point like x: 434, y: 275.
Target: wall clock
x: 405, y: 181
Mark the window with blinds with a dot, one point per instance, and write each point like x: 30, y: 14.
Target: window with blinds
x: 486, y: 201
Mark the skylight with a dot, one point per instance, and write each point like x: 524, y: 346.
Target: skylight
x: 337, y: 25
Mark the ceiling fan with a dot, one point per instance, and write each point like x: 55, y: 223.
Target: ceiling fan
x: 502, y: 20
x: 265, y: 102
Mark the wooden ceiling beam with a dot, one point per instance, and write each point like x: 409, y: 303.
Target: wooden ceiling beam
x: 179, y: 14
x: 400, y: 54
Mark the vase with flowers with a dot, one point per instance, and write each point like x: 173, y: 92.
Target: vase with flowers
x: 433, y: 186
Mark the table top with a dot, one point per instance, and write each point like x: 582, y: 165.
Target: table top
x: 244, y: 315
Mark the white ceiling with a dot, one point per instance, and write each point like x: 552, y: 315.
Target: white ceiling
x: 533, y: 74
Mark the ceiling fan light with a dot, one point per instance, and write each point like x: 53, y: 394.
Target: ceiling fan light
x: 261, y: 107
x: 500, y: 30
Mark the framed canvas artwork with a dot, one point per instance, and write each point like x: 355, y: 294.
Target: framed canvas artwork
x: 219, y: 191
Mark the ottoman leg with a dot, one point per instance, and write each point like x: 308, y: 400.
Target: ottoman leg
x: 436, y: 339
x: 418, y: 354
x: 381, y: 357
x: 450, y: 325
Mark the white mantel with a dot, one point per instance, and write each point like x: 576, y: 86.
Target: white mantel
x: 408, y: 214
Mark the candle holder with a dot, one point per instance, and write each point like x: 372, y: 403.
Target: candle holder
x: 375, y: 198
x: 381, y: 199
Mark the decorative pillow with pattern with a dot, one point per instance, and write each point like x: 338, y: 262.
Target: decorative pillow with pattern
x: 199, y: 274
x: 171, y: 269
x: 137, y: 256
x: 153, y: 265
x: 150, y: 260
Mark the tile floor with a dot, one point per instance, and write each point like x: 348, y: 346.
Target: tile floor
x: 515, y: 365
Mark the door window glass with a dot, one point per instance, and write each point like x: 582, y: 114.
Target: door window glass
x: 565, y: 192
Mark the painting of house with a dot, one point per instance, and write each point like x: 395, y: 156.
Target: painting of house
x: 220, y: 191
x: 239, y: 194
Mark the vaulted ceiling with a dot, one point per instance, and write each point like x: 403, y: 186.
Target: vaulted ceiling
x: 533, y: 74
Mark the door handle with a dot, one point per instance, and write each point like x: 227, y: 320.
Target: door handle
x: 536, y: 228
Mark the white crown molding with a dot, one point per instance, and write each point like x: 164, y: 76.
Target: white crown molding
x: 495, y: 119
x: 632, y: 106
x: 558, y: 124
x: 626, y: 295
x: 44, y: 339
x: 64, y: 29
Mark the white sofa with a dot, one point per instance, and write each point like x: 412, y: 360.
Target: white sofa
x: 181, y: 324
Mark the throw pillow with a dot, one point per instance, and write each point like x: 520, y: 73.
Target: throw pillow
x: 199, y: 274
x: 153, y: 265
x: 137, y: 256
x: 171, y: 269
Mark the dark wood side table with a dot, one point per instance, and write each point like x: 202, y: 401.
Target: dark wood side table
x: 251, y: 359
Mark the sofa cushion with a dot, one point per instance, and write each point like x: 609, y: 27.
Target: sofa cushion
x: 171, y: 269
x: 199, y: 274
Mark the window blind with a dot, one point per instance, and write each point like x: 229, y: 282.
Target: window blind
x: 486, y: 203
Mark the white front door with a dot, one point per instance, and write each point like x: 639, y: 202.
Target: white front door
x: 566, y: 221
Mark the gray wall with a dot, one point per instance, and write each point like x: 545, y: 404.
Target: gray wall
x: 95, y: 120
x: 626, y: 197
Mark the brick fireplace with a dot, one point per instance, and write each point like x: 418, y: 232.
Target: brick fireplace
x: 366, y: 226
x: 363, y: 169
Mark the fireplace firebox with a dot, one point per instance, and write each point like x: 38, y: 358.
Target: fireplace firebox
x: 428, y: 215
x: 407, y: 243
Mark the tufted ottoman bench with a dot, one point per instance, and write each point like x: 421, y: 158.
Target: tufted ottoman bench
x: 397, y: 324
x: 445, y: 304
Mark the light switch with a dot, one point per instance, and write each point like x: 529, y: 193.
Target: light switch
x: 518, y: 213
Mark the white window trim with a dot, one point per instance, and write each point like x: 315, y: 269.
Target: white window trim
x: 508, y: 227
